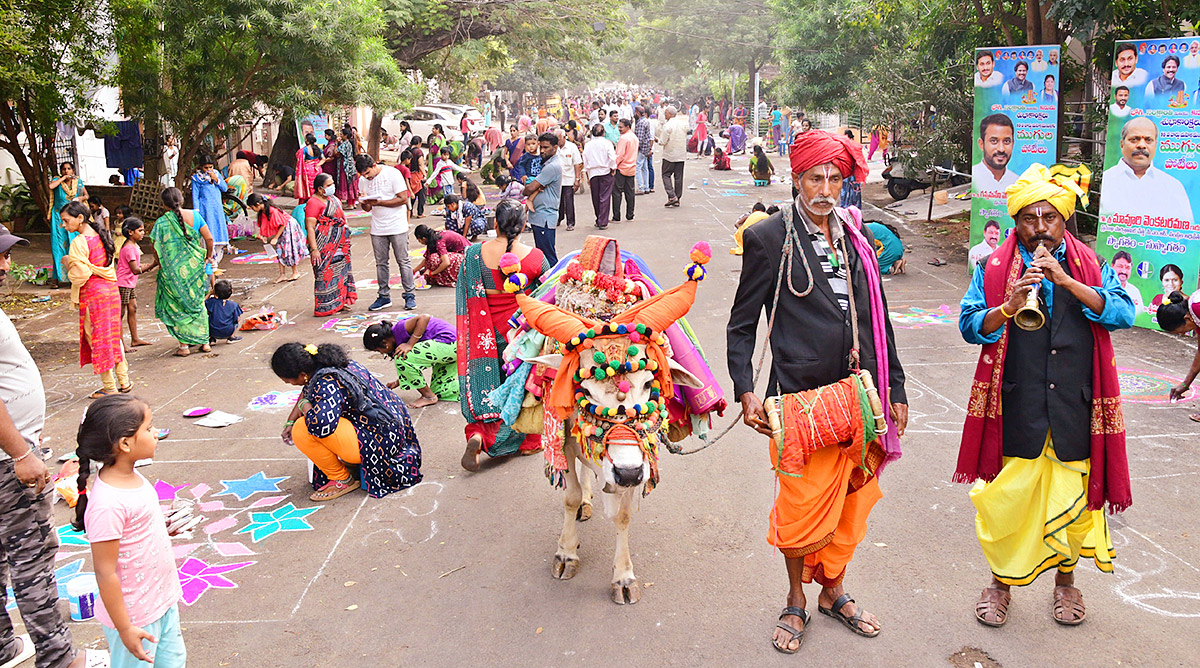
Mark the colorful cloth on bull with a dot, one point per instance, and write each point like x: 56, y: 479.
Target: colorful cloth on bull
x: 1033, y: 517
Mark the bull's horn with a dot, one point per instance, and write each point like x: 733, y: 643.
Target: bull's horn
x: 551, y: 320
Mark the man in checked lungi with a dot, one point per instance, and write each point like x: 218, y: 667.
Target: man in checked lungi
x: 820, y: 512
x: 1044, y: 435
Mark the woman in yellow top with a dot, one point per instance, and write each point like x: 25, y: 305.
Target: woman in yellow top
x: 759, y: 212
x: 91, y: 268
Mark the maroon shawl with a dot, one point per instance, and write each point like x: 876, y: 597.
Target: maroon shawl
x: 982, y: 450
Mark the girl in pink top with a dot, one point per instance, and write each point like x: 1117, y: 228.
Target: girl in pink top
x: 131, y: 551
x: 129, y: 266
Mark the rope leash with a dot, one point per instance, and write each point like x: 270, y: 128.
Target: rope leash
x: 785, y: 269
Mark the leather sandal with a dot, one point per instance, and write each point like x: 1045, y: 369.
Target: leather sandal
x: 992, y: 608
x: 1068, y: 606
x: 333, y: 489
x: 853, y: 622
x: 796, y: 634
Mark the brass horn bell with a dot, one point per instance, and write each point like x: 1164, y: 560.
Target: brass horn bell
x: 1029, y: 317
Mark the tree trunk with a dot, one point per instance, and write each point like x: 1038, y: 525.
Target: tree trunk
x: 283, y: 152
x: 152, y: 142
x: 1033, y: 22
x: 375, y: 133
x: 1088, y: 99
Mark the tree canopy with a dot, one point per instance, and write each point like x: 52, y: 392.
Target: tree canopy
x: 53, y: 57
x: 196, y: 67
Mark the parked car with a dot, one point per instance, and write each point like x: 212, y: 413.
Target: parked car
x: 422, y: 119
x: 474, y: 117
x: 902, y: 179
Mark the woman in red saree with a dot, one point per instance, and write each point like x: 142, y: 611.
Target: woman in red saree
x: 483, y: 310
x: 329, y: 246
x: 93, y: 276
x: 308, y: 165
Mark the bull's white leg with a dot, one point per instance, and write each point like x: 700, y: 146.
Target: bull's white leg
x: 585, y: 510
x: 566, y: 559
x: 625, y: 587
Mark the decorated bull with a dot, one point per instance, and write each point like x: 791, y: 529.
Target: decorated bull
x: 620, y: 389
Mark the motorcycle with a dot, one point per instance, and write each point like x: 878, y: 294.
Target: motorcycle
x: 902, y: 179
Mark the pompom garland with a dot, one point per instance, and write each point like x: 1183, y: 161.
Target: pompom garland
x: 700, y: 255
x: 510, y: 263
x: 516, y: 282
x: 514, y: 279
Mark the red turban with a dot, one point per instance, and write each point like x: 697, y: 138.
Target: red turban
x: 817, y: 147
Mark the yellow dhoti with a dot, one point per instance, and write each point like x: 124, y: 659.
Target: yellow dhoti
x: 1033, y: 517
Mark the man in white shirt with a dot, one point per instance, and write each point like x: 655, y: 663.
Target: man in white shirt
x: 991, y: 175
x: 1134, y: 186
x: 384, y: 193
x: 672, y: 137
x: 980, y: 251
x: 1120, y: 107
x: 1192, y: 59
x: 26, y: 522
x: 1122, y: 264
x: 1127, y: 72
x: 572, y: 178
x: 600, y: 165
x: 1039, y: 62
x: 986, y: 75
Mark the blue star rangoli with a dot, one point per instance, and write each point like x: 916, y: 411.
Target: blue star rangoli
x: 284, y: 518
x: 247, y: 487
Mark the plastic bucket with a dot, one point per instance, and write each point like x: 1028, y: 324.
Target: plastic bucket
x: 81, y: 596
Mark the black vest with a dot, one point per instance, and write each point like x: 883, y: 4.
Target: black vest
x: 1048, y: 383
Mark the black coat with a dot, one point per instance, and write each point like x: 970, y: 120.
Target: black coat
x: 810, y: 341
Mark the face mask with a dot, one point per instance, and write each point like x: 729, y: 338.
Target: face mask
x: 330, y: 190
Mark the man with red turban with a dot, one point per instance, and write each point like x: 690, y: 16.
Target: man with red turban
x: 820, y: 516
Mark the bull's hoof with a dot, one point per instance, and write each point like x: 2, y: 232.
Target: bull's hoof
x: 564, y: 567
x: 626, y: 592
x: 584, y: 513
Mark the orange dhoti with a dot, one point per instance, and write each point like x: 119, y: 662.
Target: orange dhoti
x: 821, y: 515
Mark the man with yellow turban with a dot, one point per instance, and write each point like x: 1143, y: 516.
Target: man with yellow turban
x: 1044, y: 438
x: 829, y: 268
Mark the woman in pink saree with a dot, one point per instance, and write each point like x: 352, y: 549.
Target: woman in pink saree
x: 308, y: 165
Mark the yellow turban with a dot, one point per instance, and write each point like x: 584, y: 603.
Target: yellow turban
x: 1059, y: 185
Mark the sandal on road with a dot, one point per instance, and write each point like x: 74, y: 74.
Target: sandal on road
x: 23, y: 654
x: 992, y: 608
x: 1068, y: 607
x: 333, y: 489
x: 796, y: 634
x: 100, y: 393
x: 852, y: 622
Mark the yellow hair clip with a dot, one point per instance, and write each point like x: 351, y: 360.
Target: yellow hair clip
x: 310, y: 349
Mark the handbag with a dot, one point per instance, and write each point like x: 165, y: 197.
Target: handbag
x: 849, y: 410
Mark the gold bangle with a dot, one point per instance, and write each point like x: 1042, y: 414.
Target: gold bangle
x: 1005, y: 314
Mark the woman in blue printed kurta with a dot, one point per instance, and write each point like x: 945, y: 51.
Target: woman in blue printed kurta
x: 345, y: 416
x: 207, y: 186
